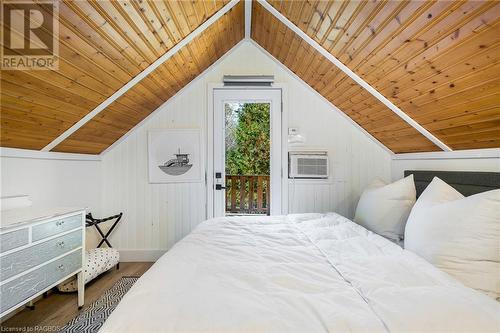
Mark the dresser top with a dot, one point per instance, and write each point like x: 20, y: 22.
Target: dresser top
x: 15, y: 217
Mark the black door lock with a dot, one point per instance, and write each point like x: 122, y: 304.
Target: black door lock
x: 219, y: 187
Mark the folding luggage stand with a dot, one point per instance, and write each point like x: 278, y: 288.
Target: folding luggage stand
x: 91, y: 221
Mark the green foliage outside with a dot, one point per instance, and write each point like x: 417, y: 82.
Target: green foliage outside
x: 247, y: 139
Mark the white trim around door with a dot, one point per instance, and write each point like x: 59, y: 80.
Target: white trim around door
x: 217, y: 95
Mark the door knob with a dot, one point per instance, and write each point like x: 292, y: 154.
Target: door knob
x: 219, y: 187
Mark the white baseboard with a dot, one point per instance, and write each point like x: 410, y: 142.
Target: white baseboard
x: 140, y: 255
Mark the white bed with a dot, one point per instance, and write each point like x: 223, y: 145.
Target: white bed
x: 297, y: 273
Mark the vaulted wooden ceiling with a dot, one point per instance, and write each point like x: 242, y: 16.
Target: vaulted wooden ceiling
x: 103, y: 45
x: 438, y: 61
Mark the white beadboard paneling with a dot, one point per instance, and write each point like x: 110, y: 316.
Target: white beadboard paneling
x: 355, y: 160
x: 140, y: 255
x: 456, y: 164
x: 155, y: 215
x: 158, y: 215
x: 55, y: 182
x: 486, y: 153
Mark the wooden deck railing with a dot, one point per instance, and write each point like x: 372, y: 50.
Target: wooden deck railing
x: 247, y: 194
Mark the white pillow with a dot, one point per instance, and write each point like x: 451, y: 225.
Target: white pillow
x: 457, y: 234
x: 384, y: 208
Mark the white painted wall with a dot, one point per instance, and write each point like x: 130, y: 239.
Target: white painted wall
x: 158, y: 215
x: 355, y: 160
x: 456, y: 164
x: 54, y: 183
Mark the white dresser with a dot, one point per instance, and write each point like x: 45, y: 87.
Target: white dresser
x: 39, y: 248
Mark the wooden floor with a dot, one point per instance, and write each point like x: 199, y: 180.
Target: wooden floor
x: 57, y: 309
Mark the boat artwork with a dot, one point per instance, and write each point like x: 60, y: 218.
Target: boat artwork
x: 177, y: 166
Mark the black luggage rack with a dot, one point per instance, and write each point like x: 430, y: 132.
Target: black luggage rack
x: 91, y: 221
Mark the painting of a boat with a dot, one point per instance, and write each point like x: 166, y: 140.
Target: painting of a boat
x: 174, y: 156
x: 177, y: 166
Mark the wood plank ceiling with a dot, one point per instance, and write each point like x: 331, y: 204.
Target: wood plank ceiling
x: 438, y: 61
x: 103, y: 45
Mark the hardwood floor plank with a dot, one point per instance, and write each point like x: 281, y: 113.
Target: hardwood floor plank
x: 57, y: 309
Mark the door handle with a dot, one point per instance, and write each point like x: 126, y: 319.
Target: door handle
x: 219, y: 187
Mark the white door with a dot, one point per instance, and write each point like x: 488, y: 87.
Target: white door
x: 261, y: 194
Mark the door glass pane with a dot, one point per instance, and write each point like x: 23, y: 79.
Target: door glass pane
x: 247, y: 147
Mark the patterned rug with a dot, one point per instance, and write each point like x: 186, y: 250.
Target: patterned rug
x: 93, y: 317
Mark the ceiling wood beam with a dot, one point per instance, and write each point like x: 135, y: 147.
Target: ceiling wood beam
x: 129, y: 85
x: 354, y: 76
x: 248, y: 18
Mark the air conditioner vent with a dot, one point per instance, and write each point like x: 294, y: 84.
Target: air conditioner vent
x: 308, y: 165
x: 248, y: 80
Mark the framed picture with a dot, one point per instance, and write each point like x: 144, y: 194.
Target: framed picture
x: 174, y: 156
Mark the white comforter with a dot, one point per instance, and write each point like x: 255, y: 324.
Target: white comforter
x: 297, y: 273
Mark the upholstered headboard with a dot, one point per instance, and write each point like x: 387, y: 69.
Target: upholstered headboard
x: 465, y: 182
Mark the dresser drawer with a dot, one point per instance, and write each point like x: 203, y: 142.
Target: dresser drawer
x: 20, y: 261
x: 55, y: 227
x: 13, y: 239
x: 22, y: 288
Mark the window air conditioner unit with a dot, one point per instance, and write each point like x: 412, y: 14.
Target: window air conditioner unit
x: 308, y: 165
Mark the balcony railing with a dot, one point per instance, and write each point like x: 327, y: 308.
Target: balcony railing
x: 247, y: 194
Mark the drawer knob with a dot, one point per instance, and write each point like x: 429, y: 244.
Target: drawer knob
x: 59, y: 223
x: 61, y: 244
x: 61, y: 267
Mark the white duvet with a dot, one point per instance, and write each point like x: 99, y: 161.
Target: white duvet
x: 297, y: 273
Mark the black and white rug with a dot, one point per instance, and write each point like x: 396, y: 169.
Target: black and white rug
x: 94, y: 316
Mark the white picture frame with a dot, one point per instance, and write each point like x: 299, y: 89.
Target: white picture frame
x: 167, y: 162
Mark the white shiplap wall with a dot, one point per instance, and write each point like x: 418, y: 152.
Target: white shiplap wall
x: 355, y: 160
x: 489, y: 164
x: 158, y: 215
x: 54, y: 183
